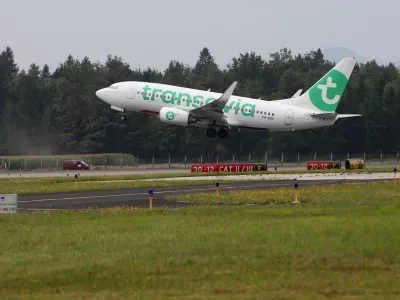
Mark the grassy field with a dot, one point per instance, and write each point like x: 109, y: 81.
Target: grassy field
x: 351, y: 194
x: 32, y: 185
x: 344, y: 246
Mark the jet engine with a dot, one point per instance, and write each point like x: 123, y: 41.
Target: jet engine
x: 176, y: 116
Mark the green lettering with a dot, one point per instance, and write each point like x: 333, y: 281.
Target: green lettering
x: 181, y: 95
x: 164, y: 97
x: 229, y: 106
x: 252, y: 109
x: 145, y: 89
x: 154, y: 93
x: 237, y: 107
x: 197, y: 98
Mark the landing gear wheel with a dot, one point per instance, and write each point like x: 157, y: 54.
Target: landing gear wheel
x: 123, y: 118
x: 222, y: 133
x: 211, y: 133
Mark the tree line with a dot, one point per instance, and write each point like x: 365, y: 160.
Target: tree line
x: 57, y: 112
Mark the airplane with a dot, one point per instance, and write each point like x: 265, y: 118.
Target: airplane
x: 219, y: 113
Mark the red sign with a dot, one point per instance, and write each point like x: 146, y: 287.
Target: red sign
x: 318, y: 165
x: 233, y: 168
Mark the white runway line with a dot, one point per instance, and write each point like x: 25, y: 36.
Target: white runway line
x: 303, y: 176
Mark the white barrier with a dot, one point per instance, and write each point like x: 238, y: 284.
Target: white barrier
x: 8, y: 203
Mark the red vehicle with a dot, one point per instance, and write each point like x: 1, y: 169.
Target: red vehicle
x: 75, y: 165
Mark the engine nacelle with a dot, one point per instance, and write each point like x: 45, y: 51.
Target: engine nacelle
x: 176, y: 116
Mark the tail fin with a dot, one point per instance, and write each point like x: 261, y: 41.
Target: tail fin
x: 327, y: 92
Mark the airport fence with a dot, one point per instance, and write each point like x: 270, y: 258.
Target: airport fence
x: 116, y: 160
x: 55, y: 162
x: 277, y: 159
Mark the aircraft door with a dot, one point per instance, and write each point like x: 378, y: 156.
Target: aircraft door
x: 129, y: 102
x: 130, y: 93
x: 289, y: 117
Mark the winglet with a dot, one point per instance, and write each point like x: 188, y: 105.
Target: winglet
x: 228, y: 93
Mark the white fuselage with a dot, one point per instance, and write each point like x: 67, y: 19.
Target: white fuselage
x: 242, y: 112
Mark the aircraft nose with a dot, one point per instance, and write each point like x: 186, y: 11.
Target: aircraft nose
x: 100, y: 94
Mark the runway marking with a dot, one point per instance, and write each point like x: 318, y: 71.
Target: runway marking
x: 133, y: 194
x: 166, y: 192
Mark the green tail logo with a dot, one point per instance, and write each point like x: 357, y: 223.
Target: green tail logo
x: 327, y: 92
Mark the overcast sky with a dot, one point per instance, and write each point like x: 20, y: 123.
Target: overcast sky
x: 151, y: 33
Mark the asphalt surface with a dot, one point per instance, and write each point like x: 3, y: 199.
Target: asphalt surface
x: 138, y: 197
x: 61, y: 173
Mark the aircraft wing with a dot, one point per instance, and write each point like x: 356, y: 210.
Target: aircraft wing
x: 214, y: 110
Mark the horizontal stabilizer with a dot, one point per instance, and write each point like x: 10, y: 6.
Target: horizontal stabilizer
x: 334, y: 115
x: 342, y: 116
x: 324, y: 116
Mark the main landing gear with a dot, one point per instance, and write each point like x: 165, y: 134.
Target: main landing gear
x: 212, y: 133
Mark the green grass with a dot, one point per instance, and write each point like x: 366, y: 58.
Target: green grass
x: 355, y: 194
x: 292, y: 252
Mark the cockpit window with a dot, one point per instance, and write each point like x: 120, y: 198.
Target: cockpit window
x: 113, y: 86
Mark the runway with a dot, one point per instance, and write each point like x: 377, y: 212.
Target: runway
x: 110, y: 172
x: 138, y: 197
